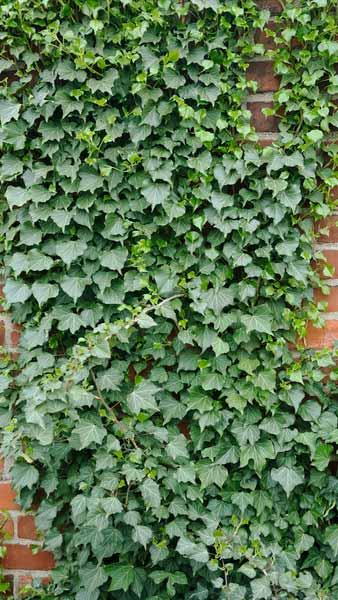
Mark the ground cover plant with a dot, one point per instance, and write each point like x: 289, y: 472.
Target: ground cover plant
x: 163, y: 414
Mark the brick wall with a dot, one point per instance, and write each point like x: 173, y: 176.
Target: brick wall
x: 20, y: 563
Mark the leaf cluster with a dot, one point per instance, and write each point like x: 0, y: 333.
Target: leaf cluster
x: 162, y: 409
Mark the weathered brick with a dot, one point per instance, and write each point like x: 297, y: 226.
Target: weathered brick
x: 331, y: 299
x: 322, y: 337
x: 331, y: 225
x: 259, y: 121
x: 263, y: 73
x: 2, y: 333
x: 26, y: 528
x: 22, y: 557
x: 332, y: 258
x: 262, y: 37
x: 15, y: 335
x: 7, y: 525
x: 272, y: 5
x: 7, y: 497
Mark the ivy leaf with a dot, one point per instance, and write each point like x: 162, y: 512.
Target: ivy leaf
x: 105, y: 84
x: 315, y: 135
x: 151, y: 493
x: 257, y: 322
x: 16, y: 291
x: 212, y: 474
x: 16, y: 196
x: 122, y: 576
x: 89, y: 182
x: 92, y: 577
x: 322, y: 456
x: 331, y: 538
x: 8, y: 110
x: 44, y: 291
x: 261, y: 588
x: 74, y: 286
x: 70, y: 322
x: 115, y: 259
x: 87, y: 433
x: 156, y: 193
x: 142, y: 535
x: 142, y: 397
x: 266, y: 380
x: 197, y: 552
x: 70, y: 251
x: 24, y: 475
x: 288, y: 478
x: 218, y: 298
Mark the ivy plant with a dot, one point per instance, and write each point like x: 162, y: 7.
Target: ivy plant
x: 163, y: 412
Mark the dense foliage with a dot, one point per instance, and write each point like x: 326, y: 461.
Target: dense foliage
x: 164, y: 414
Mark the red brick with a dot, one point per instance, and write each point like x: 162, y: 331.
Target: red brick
x: 7, y: 525
x: 261, y: 36
x: 259, y: 121
x: 15, y: 335
x: 263, y: 73
x: 331, y: 299
x: 332, y: 258
x: 22, y: 557
x: 322, y: 337
x: 2, y: 333
x: 26, y: 528
x: 272, y: 5
x: 334, y: 193
x: 7, y: 497
x: 331, y: 224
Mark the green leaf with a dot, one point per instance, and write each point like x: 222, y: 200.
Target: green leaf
x: 288, y: 478
x: 256, y: 322
x: 218, y: 298
x: 322, y: 456
x: 44, y: 291
x: 74, y: 286
x: 16, y: 196
x: 142, y: 397
x: 87, y: 433
x: 114, y: 259
x: 261, y: 588
x: 331, y: 538
x: 24, y: 475
x: 70, y: 251
x: 122, y: 576
x: 92, y: 577
x: 8, y: 110
x: 151, y: 493
x: 142, y: 535
x: 197, y: 552
x: 315, y: 135
x: 16, y: 291
x: 156, y: 193
x: 212, y: 474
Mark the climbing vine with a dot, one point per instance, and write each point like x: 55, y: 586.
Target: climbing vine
x: 163, y: 411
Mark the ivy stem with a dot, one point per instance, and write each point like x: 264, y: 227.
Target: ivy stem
x: 101, y: 398
x: 151, y: 308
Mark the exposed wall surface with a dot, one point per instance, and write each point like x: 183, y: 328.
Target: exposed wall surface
x: 22, y: 562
